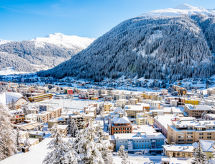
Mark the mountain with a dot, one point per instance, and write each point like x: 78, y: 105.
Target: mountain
x: 67, y: 41
x: 40, y: 53
x: 168, y: 44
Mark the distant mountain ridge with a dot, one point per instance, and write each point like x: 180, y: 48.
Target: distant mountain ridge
x: 40, y: 53
x: 169, y: 44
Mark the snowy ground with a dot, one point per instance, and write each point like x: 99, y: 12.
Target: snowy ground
x: 35, y: 156
x: 75, y: 103
x: 10, y: 71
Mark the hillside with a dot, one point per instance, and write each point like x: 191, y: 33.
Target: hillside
x: 156, y: 45
x: 40, y: 53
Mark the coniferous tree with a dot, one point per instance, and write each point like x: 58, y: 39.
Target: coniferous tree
x: 7, y: 135
x: 123, y: 154
x: 199, y: 155
x: 61, y: 152
x: 87, y: 147
x: 73, y: 128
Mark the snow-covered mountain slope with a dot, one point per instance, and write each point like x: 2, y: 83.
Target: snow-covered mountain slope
x: 155, y: 47
x: 3, y: 41
x: 184, y: 9
x: 40, y: 53
x: 61, y: 40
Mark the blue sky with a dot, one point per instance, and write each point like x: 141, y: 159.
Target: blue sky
x: 27, y: 19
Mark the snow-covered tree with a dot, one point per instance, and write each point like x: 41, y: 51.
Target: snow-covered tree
x: 61, y: 151
x: 199, y: 155
x: 18, y: 139
x: 7, y: 136
x: 86, y: 146
x: 123, y: 154
x: 104, y: 147
x: 73, y: 128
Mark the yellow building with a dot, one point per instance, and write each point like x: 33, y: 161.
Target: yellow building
x: 141, y: 119
x: 107, y: 106
x: 40, y: 97
x: 190, y: 101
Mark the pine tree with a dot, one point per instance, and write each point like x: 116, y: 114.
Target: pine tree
x: 86, y: 146
x: 104, y: 147
x: 213, y: 151
x: 73, y: 128
x: 61, y: 151
x: 7, y: 137
x: 18, y: 139
x: 123, y: 154
x: 199, y: 156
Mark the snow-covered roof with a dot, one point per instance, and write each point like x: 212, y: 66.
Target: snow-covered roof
x: 199, y: 107
x: 62, y: 127
x: 165, y: 120
x: 143, y: 129
x: 207, y: 145
x: 9, y: 97
x: 179, y: 148
x: 121, y: 120
x: 146, y: 135
x: 118, y: 110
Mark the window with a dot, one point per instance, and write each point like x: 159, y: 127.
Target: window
x: 209, y: 137
x: 209, y: 133
x: 200, y: 133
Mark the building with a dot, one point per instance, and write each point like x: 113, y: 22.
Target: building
x: 162, y: 121
x: 51, y: 113
x: 132, y: 110
x: 17, y: 116
x: 120, y: 124
x: 148, y: 142
x: 39, y: 97
x: 142, y: 119
x: 81, y: 119
x: 209, y: 116
x: 192, y: 101
x: 190, y: 131
x: 12, y: 100
x: 198, y: 110
x: 107, y: 106
x: 178, y: 151
x: 208, y: 147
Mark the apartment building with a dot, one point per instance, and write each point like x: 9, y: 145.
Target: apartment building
x: 17, y: 116
x: 51, y: 113
x: 81, y: 119
x: 198, y: 110
x: 132, y: 110
x: 190, y: 131
x: 120, y: 124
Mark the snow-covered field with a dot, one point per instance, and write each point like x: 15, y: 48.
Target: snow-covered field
x: 75, y: 103
x: 10, y: 71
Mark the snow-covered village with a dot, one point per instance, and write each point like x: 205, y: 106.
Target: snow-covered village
x: 139, y: 89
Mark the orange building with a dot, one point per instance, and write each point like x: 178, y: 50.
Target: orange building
x: 120, y: 124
